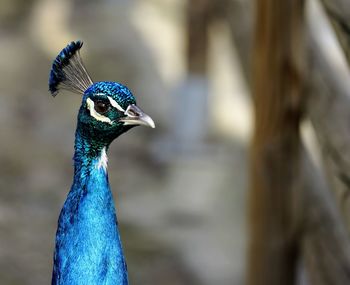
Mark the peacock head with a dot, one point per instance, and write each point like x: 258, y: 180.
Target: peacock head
x: 108, y: 108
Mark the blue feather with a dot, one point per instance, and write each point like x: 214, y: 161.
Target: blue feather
x: 88, y: 246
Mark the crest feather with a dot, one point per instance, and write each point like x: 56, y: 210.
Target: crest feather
x: 68, y: 71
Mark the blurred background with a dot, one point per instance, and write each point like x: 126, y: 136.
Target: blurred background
x: 181, y: 189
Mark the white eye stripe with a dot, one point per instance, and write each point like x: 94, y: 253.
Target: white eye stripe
x: 115, y: 104
x: 93, y: 113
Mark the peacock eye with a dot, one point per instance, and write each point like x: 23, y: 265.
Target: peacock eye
x: 101, y: 107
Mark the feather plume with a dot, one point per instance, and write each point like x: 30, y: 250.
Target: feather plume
x: 68, y: 71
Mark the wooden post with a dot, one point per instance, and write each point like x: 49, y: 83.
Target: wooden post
x: 198, y: 18
x: 276, y: 148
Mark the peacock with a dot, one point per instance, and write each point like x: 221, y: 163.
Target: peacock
x: 88, y: 247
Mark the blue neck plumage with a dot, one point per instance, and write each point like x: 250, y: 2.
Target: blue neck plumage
x: 88, y: 248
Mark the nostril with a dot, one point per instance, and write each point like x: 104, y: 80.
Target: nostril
x: 133, y: 111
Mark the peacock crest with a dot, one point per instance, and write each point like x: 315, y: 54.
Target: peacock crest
x: 68, y: 71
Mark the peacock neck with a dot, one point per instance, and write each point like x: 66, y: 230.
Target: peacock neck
x: 88, y: 247
x: 89, y: 154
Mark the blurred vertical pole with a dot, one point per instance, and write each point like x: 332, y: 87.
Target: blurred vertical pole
x: 276, y: 147
x: 198, y: 12
x: 190, y: 125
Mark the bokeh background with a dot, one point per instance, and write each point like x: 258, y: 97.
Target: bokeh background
x: 180, y: 189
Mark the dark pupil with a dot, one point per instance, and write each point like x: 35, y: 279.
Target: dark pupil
x: 101, y: 107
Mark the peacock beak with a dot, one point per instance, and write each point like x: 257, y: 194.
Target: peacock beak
x: 135, y: 116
